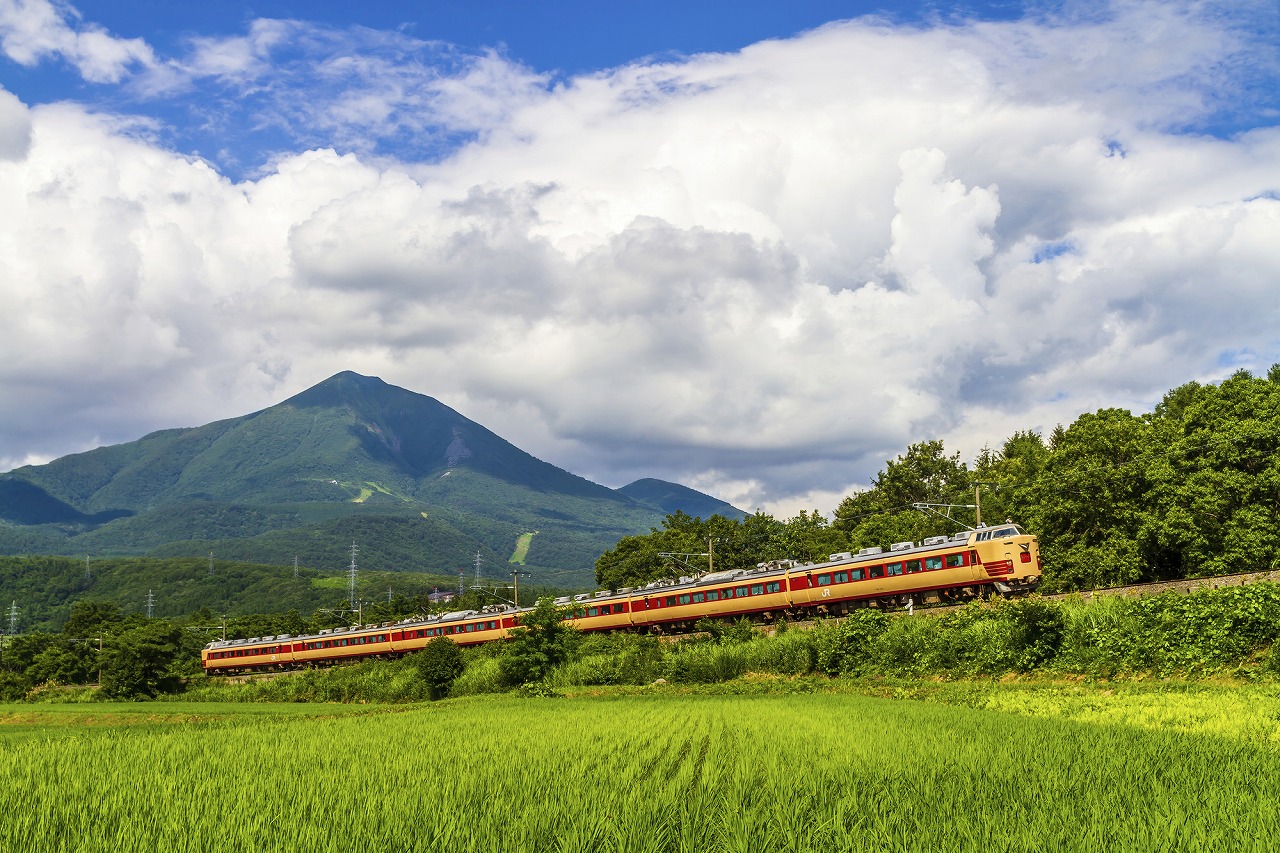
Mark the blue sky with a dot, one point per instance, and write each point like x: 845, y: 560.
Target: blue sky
x: 223, y: 122
x: 757, y: 248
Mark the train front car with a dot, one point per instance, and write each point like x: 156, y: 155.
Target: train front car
x: 1008, y: 557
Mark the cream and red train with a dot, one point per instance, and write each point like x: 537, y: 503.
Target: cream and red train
x: 1003, y: 558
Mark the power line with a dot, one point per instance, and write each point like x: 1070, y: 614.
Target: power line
x: 351, y: 574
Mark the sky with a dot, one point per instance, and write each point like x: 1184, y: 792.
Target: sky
x: 755, y: 248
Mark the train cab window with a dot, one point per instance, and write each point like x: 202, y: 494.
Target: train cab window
x: 955, y: 561
x: 713, y: 595
x: 740, y: 591
x: 856, y: 574
x: 773, y: 586
x: 684, y: 599
x: 913, y: 566
x: 699, y: 597
x: 877, y: 571
x: 932, y: 564
x: 842, y: 577
x: 824, y: 580
x: 893, y: 568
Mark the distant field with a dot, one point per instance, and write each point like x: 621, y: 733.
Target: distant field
x: 663, y: 771
x: 521, y: 554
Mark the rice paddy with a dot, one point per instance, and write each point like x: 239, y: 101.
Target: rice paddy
x: 663, y: 771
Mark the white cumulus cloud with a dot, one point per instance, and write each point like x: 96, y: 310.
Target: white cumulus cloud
x: 760, y: 273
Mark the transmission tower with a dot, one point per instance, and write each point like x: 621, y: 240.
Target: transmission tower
x: 151, y: 603
x: 479, y: 560
x: 210, y: 564
x: 87, y: 574
x: 295, y: 566
x: 351, y: 575
x: 13, y: 618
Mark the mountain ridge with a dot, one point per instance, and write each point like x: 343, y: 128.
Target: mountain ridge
x: 349, y: 447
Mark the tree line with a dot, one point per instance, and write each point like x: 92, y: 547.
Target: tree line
x: 1190, y: 489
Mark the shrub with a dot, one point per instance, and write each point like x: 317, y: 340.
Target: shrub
x: 439, y: 664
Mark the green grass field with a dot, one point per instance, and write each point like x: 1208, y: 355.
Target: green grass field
x: 976, y: 767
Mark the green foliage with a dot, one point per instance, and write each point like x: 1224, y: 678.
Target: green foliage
x: 840, y: 645
x: 542, y: 641
x: 439, y: 663
x: 732, y: 544
x: 143, y: 661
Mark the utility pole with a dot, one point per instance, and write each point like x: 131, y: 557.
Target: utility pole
x: 516, y: 574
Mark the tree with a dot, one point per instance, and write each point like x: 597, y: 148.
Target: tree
x: 143, y: 661
x: 884, y: 513
x: 439, y: 663
x: 542, y: 641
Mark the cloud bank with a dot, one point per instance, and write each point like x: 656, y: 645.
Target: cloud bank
x: 760, y: 273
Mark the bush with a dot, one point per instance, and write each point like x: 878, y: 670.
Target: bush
x: 844, y: 647
x: 439, y: 664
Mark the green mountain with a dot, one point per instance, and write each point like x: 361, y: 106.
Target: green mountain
x: 673, y: 497
x: 413, y: 484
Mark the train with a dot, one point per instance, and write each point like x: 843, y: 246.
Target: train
x: 999, y: 559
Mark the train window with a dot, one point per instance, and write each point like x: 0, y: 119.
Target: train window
x: 857, y: 574
x: 713, y: 595
x: 824, y: 580
x: 877, y: 571
x: 699, y: 597
x: 757, y: 589
x: 671, y: 601
x: 774, y: 586
x: 593, y: 611
x: 740, y: 591
x: 684, y: 599
x: 932, y: 564
x: 955, y: 560
x: 893, y: 568
x: 842, y: 577
x: 913, y: 566
x: 726, y: 593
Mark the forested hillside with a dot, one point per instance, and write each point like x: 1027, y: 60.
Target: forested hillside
x: 1189, y: 489
x: 416, y: 484
x: 44, y: 590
